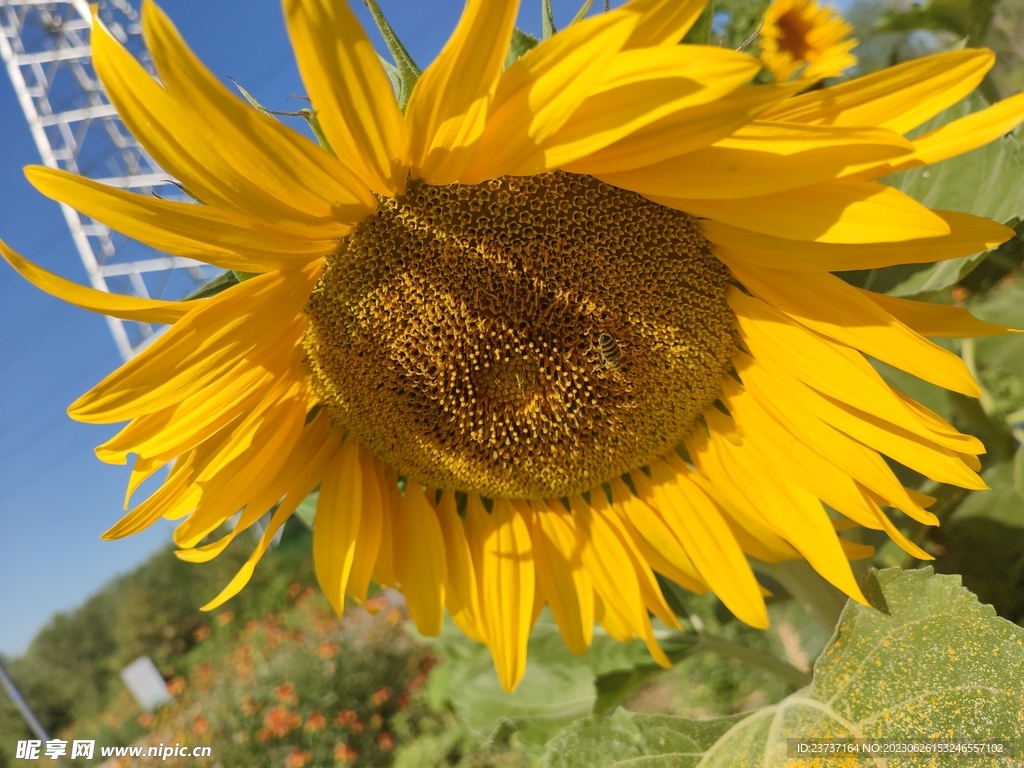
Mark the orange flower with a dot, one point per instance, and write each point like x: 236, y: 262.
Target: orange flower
x: 225, y: 617
x: 250, y: 706
x: 263, y: 735
x: 279, y: 721
x: 294, y: 589
x: 201, y: 633
x: 328, y: 650
x: 380, y: 697
x: 346, y: 717
x: 176, y: 686
x: 297, y: 759
x: 286, y: 693
x: 374, y: 604
x: 204, y: 676
x: 385, y: 741
x: 343, y: 753
x: 200, y: 725
x: 145, y: 719
x: 314, y: 722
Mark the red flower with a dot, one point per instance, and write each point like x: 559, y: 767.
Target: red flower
x: 385, y: 741
x: 297, y: 759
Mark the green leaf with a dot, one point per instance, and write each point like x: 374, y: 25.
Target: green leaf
x: 556, y: 689
x: 220, y: 283
x: 939, y: 665
x: 651, y: 741
x: 521, y: 43
x: 547, y: 20
x: 306, y: 511
x: 700, y: 32
x: 1002, y: 502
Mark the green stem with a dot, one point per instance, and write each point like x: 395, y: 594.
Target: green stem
x: 582, y: 12
x: 547, y: 20
x: 408, y: 71
x: 766, y: 661
x: 824, y: 601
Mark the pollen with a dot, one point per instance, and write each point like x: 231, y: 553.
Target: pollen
x: 521, y: 338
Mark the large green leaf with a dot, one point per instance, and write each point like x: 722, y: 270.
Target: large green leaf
x: 653, y: 741
x: 556, y: 688
x: 938, y: 665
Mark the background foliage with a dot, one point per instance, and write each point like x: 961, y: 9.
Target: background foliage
x: 274, y: 679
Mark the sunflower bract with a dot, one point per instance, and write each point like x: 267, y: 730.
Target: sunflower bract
x: 555, y: 330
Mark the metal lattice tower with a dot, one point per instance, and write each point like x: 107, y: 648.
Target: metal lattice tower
x: 45, y: 47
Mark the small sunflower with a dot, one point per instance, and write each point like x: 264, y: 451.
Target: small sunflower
x: 551, y: 330
x: 801, y: 33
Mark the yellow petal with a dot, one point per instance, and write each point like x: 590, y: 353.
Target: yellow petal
x: 540, y: 92
x: 304, y: 482
x: 267, y: 494
x: 462, y: 596
x: 112, y: 304
x: 336, y: 526
x: 143, y: 469
x: 449, y: 104
x: 173, y: 430
x: 836, y: 309
x: 711, y: 546
x: 507, y: 589
x: 786, y: 456
x: 663, y: 22
x: 354, y: 100
x: 781, y: 399
x: 763, y: 158
x: 561, y: 576
x: 650, y: 592
x: 609, y: 565
x: 656, y: 541
x: 420, y: 559
x: 967, y: 235
x: 384, y: 571
x: 683, y: 131
x: 368, y: 541
x: 226, y: 153
x: 257, y: 449
x: 937, y: 320
x: 200, y: 348
x: 834, y: 212
x: 219, y: 237
x: 833, y: 369
x: 641, y: 87
x: 899, y: 98
x: 912, y: 445
x: 965, y: 134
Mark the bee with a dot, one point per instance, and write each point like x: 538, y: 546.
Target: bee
x: 609, y: 349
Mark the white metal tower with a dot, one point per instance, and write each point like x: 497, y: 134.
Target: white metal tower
x: 45, y: 47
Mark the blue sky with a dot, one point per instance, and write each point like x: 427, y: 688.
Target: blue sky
x: 56, y: 498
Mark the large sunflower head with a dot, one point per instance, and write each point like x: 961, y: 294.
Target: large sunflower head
x: 802, y: 35
x: 553, y: 329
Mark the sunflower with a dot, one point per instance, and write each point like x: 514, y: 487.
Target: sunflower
x: 553, y: 329
x: 801, y: 33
